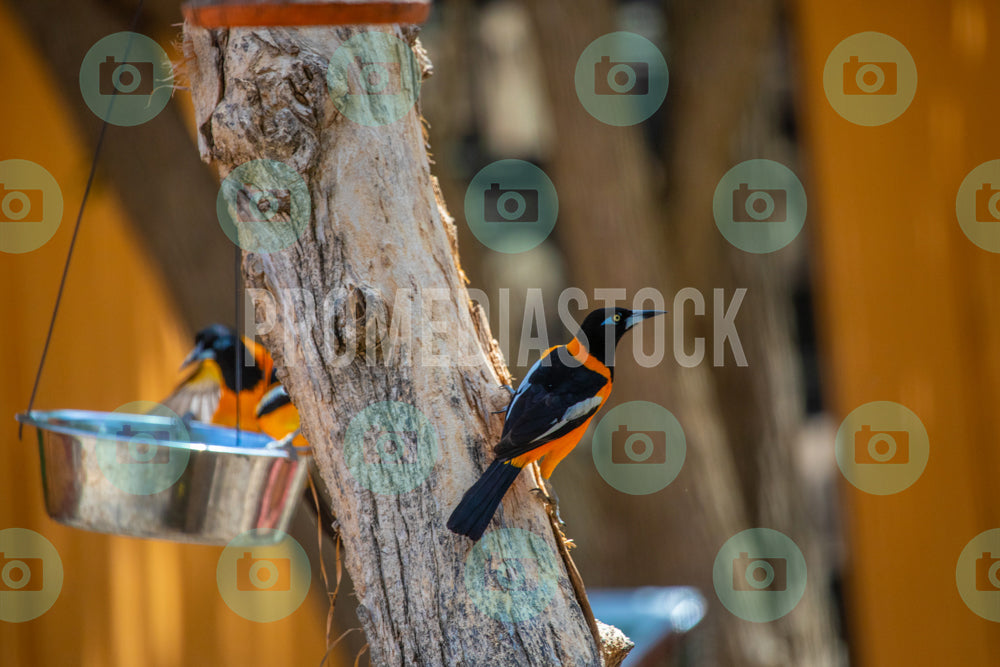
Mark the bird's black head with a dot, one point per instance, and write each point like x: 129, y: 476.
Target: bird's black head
x: 603, y: 328
x: 220, y: 344
x: 215, y: 342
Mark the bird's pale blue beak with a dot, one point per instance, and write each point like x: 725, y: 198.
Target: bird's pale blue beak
x: 640, y: 315
x: 197, y: 354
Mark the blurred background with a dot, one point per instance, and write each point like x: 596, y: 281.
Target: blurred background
x: 881, y: 297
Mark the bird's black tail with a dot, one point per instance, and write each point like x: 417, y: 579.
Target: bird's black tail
x: 480, y: 502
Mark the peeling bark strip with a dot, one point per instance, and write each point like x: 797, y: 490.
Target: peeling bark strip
x: 258, y: 13
x: 378, y: 226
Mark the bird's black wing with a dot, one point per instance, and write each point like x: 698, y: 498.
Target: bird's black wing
x: 276, y: 397
x: 552, y: 400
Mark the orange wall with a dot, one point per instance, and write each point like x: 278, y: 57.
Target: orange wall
x: 124, y: 601
x: 911, y: 313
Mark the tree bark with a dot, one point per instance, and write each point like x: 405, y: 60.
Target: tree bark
x: 381, y: 238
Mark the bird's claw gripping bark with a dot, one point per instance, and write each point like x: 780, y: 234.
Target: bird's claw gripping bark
x: 551, y: 501
x: 512, y: 392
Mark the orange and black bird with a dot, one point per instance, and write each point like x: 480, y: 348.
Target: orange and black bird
x: 549, y: 412
x: 209, y: 392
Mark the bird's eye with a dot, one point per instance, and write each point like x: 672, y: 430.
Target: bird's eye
x: 618, y: 317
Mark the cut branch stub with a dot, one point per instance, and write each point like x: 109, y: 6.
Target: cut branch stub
x: 376, y: 269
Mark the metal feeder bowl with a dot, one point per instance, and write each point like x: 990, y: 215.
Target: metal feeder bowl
x: 159, y: 477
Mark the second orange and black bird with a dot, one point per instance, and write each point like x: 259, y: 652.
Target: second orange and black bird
x: 210, y: 392
x: 549, y: 412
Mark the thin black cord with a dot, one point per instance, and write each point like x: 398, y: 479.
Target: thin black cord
x: 76, y: 231
x: 237, y: 284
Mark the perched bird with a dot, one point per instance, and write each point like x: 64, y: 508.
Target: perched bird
x: 549, y: 412
x: 209, y: 392
x: 277, y: 416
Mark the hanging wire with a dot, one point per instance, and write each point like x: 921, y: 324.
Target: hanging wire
x: 237, y: 285
x: 76, y: 226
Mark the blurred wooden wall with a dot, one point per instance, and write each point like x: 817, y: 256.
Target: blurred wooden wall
x: 118, y: 339
x: 910, y: 312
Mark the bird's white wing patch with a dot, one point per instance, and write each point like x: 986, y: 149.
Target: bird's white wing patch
x: 582, y: 408
x: 199, y: 397
x: 575, y: 411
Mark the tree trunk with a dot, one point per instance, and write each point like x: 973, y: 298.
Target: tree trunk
x: 375, y: 276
